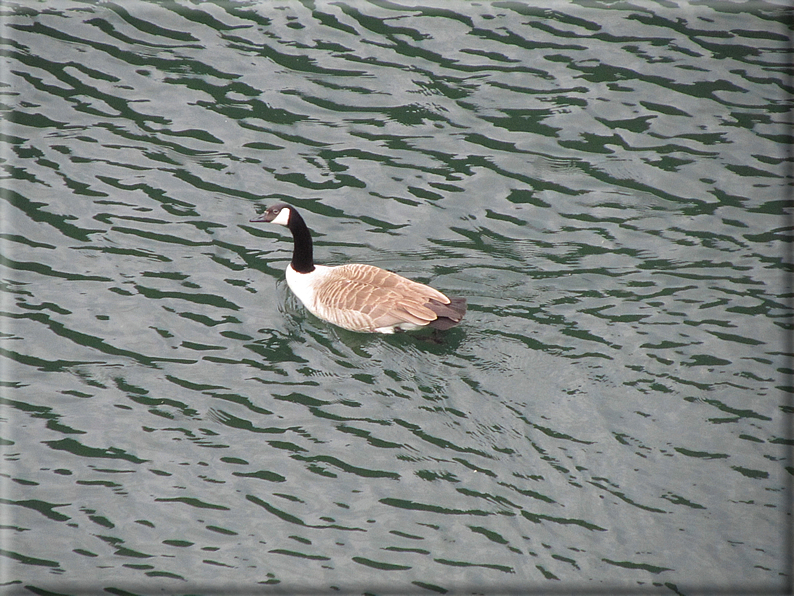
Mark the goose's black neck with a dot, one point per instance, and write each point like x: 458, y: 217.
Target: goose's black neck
x: 302, y: 260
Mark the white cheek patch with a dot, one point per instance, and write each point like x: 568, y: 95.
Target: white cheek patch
x: 282, y: 218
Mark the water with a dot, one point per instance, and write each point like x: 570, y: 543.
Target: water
x: 608, y: 186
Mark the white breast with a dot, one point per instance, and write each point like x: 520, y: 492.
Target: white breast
x: 304, y: 285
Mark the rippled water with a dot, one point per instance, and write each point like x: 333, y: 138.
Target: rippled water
x: 606, y: 183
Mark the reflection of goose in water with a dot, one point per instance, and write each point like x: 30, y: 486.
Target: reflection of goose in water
x: 360, y: 297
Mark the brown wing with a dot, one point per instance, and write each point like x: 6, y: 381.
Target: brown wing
x: 364, y: 298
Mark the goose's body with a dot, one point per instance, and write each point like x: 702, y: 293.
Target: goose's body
x: 360, y: 297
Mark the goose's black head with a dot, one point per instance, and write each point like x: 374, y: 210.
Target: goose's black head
x: 277, y: 214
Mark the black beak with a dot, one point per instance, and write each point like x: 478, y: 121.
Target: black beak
x: 265, y: 217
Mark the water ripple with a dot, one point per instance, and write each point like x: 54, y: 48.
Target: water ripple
x: 607, y: 187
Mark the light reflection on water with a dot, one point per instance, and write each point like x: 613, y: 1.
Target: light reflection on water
x: 606, y: 186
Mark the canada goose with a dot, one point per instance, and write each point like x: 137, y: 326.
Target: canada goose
x: 360, y: 297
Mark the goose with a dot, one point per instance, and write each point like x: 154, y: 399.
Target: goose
x: 358, y: 297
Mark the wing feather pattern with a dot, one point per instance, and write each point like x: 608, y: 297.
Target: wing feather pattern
x: 366, y: 298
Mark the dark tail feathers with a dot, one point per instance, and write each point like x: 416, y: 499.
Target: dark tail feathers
x: 449, y: 315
